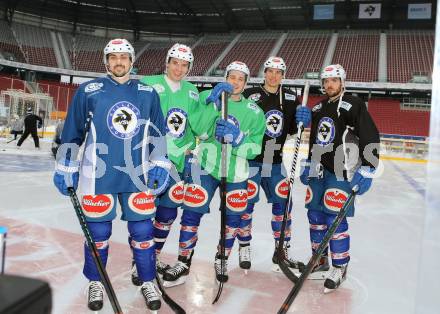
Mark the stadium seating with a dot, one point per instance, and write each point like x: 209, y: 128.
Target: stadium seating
x: 304, y: 52
x: 8, y: 45
x: 409, y: 52
x: 358, y: 53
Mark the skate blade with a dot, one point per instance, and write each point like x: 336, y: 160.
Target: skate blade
x: 153, y: 312
x: 169, y: 284
x: 327, y: 290
x: 320, y: 275
x: 276, y: 268
x: 246, y: 271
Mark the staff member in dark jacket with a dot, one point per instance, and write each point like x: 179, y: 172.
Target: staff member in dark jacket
x: 31, y: 121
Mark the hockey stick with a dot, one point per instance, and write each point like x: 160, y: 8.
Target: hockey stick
x: 171, y: 303
x: 10, y: 141
x: 295, y: 290
x: 95, y: 254
x: 280, y: 252
x: 223, y: 173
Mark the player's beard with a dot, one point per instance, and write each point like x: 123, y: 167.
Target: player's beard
x: 119, y: 73
x: 333, y: 93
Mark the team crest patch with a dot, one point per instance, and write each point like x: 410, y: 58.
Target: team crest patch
x: 309, y: 195
x: 252, y: 189
x: 255, y: 97
x: 326, y: 131
x: 195, y: 196
x: 289, y: 96
x: 253, y: 106
x: 92, y: 87
x: 97, y: 206
x: 176, y: 192
x: 236, y: 200
x: 122, y: 120
x: 274, y: 123
x: 142, y: 203
x: 159, y: 88
x: 282, y: 188
x: 176, y: 122
x: 334, y: 199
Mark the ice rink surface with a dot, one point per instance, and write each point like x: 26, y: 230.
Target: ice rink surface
x: 45, y: 241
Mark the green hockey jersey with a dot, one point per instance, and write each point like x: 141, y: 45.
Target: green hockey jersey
x: 176, y: 107
x: 248, y: 117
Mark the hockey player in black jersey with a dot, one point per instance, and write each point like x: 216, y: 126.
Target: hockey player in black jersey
x: 343, y: 153
x: 282, y: 112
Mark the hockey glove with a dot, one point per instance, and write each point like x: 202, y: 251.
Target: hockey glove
x: 362, y: 178
x: 66, y: 175
x: 304, y: 115
x: 158, y: 176
x: 215, y: 96
x: 305, y: 171
x: 229, y: 132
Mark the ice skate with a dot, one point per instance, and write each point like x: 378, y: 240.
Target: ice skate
x: 244, y: 255
x: 177, y: 274
x: 335, y: 278
x: 95, y: 295
x: 221, y: 276
x: 295, y: 266
x: 319, y: 272
x: 151, y: 295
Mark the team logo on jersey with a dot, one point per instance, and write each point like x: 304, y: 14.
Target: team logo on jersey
x: 176, y: 192
x: 274, y: 123
x: 97, y: 206
x: 176, y: 122
x: 145, y: 87
x: 142, y: 203
x: 159, y: 88
x: 122, y: 120
x: 255, y: 97
x: 92, y: 87
x: 334, y: 199
x: 195, y: 196
x: 346, y: 105
x: 236, y: 200
x: 326, y: 131
x: 282, y: 188
x: 252, y: 189
x: 309, y: 195
x: 289, y: 96
x: 317, y: 107
x: 253, y: 106
x: 193, y: 95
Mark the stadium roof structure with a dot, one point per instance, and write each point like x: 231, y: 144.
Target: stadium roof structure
x: 192, y: 17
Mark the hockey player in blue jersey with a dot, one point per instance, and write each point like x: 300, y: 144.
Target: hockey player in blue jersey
x: 121, y: 124
x: 343, y: 154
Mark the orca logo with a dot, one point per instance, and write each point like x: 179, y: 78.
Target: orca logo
x: 326, y: 131
x: 274, y: 123
x: 122, y: 120
x: 176, y: 122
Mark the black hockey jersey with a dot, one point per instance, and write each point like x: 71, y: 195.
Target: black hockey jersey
x: 335, y: 127
x: 280, y: 120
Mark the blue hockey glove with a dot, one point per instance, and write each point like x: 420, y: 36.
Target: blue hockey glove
x: 304, y: 115
x: 305, y: 171
x: 158, y: 176
x: 66, y: 175
x: 229, y: 132
x: 215, y: 96
x: 362, y: 178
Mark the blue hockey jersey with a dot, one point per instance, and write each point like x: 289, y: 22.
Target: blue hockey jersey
x: 122, y: 128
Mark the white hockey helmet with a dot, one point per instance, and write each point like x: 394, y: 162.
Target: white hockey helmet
x: 119, y: 45
x: 182, y: 52
x: 333, y: 70
x: 275, y: 63
x: 238, y: 66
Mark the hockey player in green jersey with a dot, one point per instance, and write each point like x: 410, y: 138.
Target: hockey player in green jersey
x: 243, y: 131
x: 178, y: 100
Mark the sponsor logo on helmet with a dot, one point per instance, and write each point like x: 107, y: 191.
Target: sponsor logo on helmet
x: 276, y: 60
x: 282, y: 188
x: 195, y: 196
x: 142, y: 203
x: 328, y: 69
x: 122, y: 120
x: 182, y: 49
x: 96, y: 206
x: 252, y: 189
x: 334, y: 199
x: 274, y: 123
x: 236, y: 200
x: 117, y: 41
x: 309, y: 195
x: 326, y: 131
x: 176, y: 122
x: 176, y: 192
